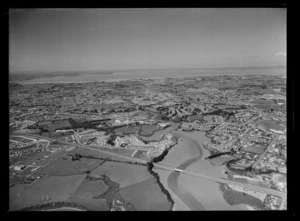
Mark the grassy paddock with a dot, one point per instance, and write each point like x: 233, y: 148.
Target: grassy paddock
x: 121, y: 173
x: 145, y: 195
x: 57, y: 188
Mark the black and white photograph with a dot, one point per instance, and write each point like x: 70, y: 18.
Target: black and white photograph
x: 147, y: 109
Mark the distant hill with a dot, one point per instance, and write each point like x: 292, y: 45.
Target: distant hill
x: 15, y: 86
x: 26, y: 75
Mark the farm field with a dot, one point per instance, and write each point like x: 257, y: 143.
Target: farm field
x: 57, y: 188
x: 89, y: 188
x: 97, y: 154
x: 66, y: 167
x: 122, y: 173
x: 145, y: 195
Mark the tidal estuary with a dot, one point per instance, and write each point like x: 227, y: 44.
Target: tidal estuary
x: 192, y: 193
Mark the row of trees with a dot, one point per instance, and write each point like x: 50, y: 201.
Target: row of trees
x: 162, y: 188
x: 54, y: 205
x: 77, y: 156
x: 160, y: 157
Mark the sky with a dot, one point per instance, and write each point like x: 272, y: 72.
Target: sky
x: 124, y: 39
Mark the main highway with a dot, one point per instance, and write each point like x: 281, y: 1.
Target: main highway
x: 265, y: 151
x: 254, y: 188
x: 172, y: 168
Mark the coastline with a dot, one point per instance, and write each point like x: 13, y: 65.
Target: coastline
x: 188, y: 189
x: 132, y: 76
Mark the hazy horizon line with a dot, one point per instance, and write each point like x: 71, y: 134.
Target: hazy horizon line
x: 145, y: 69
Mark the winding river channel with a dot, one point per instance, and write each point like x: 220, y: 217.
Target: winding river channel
x: 194, y: 193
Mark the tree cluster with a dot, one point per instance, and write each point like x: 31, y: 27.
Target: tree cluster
x: 160, y: 157
x: 77, y: 156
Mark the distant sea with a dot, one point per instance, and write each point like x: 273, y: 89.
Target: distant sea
x: 151, y: 74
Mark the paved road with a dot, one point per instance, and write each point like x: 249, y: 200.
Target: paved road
x: 281, y: 206
x: 171, y: 168
x: 76, y: 138
x: 231, y: 142
x: 263, y: 154
x: 95, y: 149
x: 220, y: 180
x: 226, y: 145
x: 52, y: 161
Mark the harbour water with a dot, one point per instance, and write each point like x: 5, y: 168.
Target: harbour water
x: 195, y: 193
x: 154, y: 74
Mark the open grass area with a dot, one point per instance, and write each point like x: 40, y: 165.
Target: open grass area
x: 89, y: 188
x: 125, y: 152
x: 259, y: 149
x: 97, y: 154
x: 141, y: 154
x: 145, y: 195
x: 218, y: 161
x: 65, y: 209
x: 129, y: 129
x: 263, y: 104
x: 148, y: 130
x: 123, y: 174
x: 269, y: 124
x: 57, y: 188
x: 157, y: 135
x: 65, y: 166
x: 21, y: 139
